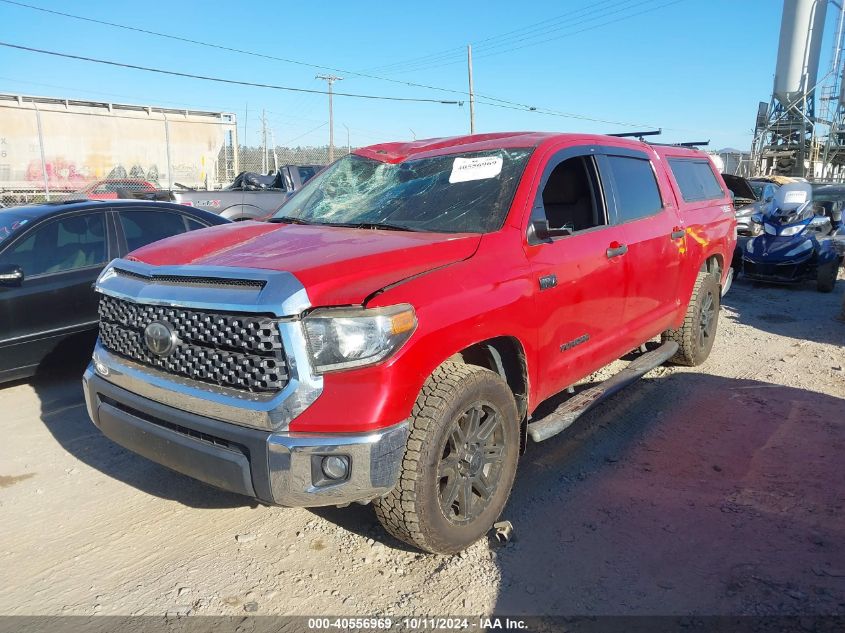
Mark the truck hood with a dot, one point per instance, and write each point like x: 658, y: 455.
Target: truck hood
x: 337, y: 265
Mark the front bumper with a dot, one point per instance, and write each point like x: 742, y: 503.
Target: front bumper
x: 277, y: 468
x: 786, y: 272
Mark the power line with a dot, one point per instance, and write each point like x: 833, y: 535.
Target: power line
x: 479, y: 45
x: 224, y: 48
x: 493, y: 50
x: 296, y: 138
x: 526, y: 107
x: 569, y: 115
x: 619, y: 19
x: 220, y: 79
x: 508, y: 105
x: 589, y: 14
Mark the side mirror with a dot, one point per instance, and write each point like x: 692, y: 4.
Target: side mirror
x: 542, y: 232
x: 757, y: 218
x: 11, y: 275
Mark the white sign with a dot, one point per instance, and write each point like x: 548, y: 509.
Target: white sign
x: 795, y: 197
x: 466, y: 169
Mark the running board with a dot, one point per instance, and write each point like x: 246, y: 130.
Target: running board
x: 569, y: 411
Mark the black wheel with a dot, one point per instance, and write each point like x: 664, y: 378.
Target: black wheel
x: 695, y: 337
x: 826, y: 276
x: 459, y: 464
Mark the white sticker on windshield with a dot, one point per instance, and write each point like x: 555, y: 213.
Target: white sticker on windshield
x: 795, y: 197
x: 466, y: 169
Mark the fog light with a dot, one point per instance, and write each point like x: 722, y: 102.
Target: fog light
x: 336, y: 466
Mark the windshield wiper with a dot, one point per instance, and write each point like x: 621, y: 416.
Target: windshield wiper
x: 373, y: 225
x: 286, y: 219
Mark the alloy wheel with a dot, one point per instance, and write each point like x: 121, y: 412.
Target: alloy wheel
x: 470, y: 466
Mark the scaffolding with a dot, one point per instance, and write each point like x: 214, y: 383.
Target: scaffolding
x: 833, y: 144
x: 785, y: 140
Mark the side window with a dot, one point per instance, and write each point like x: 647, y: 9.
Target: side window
x: 142, y: 227
x: 637, y: 195
x: 696, y: 179
x: 62, y: 245
x: 194, y: 225
x: 571, y: 196
x: 306, y: 174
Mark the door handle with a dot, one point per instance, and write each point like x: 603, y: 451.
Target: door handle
x: 677, y: 233
x: 617, y: 250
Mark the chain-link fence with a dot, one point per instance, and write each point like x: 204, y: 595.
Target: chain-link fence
x: 55, y: 149
x: 266, y: 160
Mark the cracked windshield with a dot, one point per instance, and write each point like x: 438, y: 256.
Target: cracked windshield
x: 468, y: 193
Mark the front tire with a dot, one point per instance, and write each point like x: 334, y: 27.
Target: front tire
x: 459, y: 463
x: 696, y: 335
x: 826, y: 276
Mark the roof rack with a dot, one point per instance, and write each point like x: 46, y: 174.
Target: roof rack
x: 638, y: 135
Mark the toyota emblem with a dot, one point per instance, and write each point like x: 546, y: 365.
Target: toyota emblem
x: 160, y: 338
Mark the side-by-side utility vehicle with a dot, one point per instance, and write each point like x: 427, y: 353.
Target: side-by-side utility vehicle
x: 388, y: 336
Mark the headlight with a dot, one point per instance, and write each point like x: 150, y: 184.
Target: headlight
x: 341, y: 338
x: 770, y: 229
x: 792, y: 230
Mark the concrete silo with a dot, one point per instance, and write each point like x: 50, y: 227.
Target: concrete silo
x: 783, y: 142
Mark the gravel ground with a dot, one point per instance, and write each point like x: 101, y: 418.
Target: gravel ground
x: 713, y: 490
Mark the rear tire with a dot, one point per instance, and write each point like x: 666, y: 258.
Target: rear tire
x: 696, y: 336
x: 459, y: 464
x: 826, y: 276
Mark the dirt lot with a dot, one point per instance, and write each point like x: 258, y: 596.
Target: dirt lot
x: 715, y: 490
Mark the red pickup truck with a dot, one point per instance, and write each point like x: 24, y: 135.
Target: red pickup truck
x: 389, y: 335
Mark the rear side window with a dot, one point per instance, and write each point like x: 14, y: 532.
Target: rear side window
x: 696, y: 179
x: 637, y: 195
x: 145, y: 227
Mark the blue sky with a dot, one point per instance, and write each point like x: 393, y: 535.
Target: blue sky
x: 696, y: 68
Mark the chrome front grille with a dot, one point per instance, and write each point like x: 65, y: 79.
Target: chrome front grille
x: 240, y: 351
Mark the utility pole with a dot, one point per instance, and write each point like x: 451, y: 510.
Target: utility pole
x: 471, y: 91
x: 246, y: 133
x: 275, y: 156
x: 264, y: 160
x: 348, y: 144
x: 330, y: 79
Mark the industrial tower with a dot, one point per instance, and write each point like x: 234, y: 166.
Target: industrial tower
x: 784, y: 140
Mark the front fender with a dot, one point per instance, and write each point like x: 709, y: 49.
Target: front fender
x: 487, y: 296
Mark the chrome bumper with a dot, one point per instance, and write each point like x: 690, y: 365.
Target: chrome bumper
x: 209, y: 288
x: 279, y: 468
